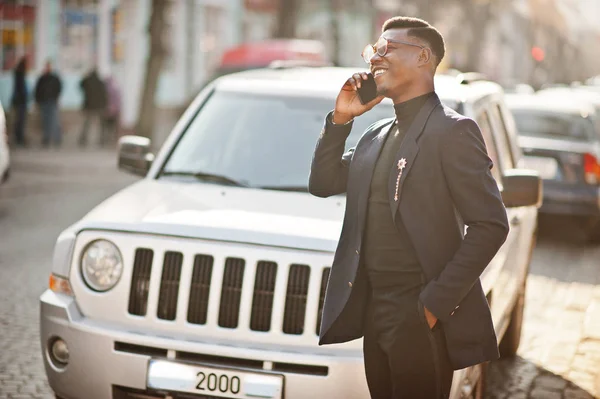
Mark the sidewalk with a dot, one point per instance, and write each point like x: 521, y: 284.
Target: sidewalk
x: 72, y: 123
x: 37, y: 171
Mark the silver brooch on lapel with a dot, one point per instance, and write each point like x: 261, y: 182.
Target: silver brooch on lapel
x: 401, y: 166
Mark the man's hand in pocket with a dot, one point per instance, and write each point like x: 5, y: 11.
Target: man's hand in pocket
x: 431, y: 319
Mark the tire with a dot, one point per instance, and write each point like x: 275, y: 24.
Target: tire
x: 512, y: 338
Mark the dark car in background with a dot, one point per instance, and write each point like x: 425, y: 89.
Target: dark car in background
x: 560, y: 138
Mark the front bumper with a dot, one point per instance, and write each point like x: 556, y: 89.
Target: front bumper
x: 98, y: 364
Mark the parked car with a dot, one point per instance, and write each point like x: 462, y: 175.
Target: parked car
x: 593, y: 81
x: 4, y: 150
x: 207, y: 277
x: 589, y: 94
x: 272, y: 53
x: 265, y: 53
x: 560, y: 137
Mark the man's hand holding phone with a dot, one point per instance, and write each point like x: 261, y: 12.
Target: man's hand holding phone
x: 348, y: 104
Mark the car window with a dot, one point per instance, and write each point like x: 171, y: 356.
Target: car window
x: 503, y: 141
x: 259, y: 140
x: 483, y: 120
x: 554, y: 125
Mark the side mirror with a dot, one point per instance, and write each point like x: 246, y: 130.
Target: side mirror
x: 134, y: 154
x: 522, y: 187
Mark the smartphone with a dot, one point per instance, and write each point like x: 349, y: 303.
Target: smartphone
x: 368, y: 90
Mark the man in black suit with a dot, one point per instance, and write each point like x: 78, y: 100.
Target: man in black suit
x: 405, y: 275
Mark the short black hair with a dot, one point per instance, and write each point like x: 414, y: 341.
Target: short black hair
x: 422, y: 30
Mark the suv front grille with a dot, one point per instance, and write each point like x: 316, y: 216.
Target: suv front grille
x: 200, y: 289
x: 231, y: 292
x: 295, y: 301
x: 169, y: 286
x: 228, y: 278
x: 264, y: 292
x: 140, y: 281
x: 324, y: 281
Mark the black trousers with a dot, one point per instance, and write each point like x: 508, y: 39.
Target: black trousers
x: 404, y: 358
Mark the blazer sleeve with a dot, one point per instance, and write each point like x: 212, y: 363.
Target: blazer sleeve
x: 330, y: 165
x: 467, y: 170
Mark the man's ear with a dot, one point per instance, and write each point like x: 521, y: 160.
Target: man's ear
x: 425, y: 56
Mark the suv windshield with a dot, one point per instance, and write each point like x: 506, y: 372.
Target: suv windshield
x: 555, y: 125
x: 256, y: 140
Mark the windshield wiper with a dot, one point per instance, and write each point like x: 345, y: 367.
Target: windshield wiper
x: 209, y: 177
x: 300, y: 189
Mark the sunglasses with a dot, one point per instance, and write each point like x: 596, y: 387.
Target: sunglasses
x: 381, y: 48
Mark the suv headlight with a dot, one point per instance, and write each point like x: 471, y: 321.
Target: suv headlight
x: 101, y: 265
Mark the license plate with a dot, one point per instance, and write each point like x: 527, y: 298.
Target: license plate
x: 545, y: 166
x: 206, y: 380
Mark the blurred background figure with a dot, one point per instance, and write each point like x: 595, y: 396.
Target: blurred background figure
x: 112, y: 115
x: 19, y: 102
x: 94, y: 106
x: 47, y: 93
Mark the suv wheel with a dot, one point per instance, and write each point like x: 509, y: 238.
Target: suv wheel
x: 512, y: 338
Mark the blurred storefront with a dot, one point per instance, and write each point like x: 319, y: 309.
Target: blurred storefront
x: 18, y: 23
x: 317, y: 20
x: 112, y: 35
x: 17, y: 27
x: 197, y: 33
x: 71, y: 34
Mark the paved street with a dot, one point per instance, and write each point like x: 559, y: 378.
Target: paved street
x: 560, y: 351
x: 47, y: 192
x: 559, y: 356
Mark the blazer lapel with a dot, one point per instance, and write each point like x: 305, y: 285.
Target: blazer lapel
x: 407, y: 153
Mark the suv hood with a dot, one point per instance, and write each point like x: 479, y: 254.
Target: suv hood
x: 223, y: 213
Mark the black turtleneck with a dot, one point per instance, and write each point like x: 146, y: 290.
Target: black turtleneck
x: 389, y: 255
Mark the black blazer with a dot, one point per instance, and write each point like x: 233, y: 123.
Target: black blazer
x: 445, y: 185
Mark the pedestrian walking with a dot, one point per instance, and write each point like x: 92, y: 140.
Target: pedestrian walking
x: 19, y: 102
x: 94, y: 106
x: 47, y: 93
x: 113, y: 109
x: 405, y: 275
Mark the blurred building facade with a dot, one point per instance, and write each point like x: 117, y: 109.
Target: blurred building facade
x: 317, y: 20
x: 112, y: 35
x: 531, y: 41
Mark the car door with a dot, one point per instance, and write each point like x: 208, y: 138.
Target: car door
x: 524, y: 217
x: 502, y: 275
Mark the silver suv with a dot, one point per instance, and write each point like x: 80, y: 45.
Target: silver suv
x: 206, y: 278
